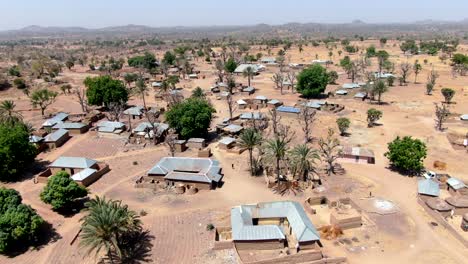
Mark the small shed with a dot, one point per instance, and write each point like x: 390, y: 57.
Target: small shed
x: 360, y: 95
x: 233, y: 129
x: 111, y: 127
x: 288, y: 111
x: 351, y: 86
x: 314, y: 104
x: 428, y: 187
x: 252, y: 116
x: 260, y: 99
x: 196, y: 143
x: 57, y: 138
x: 456, y: 185
x: 464, y: 117
x: 241, y: 104
x: 193, y: 76
x: 248, y: 90
x: 341, y: 92
x: 136, y: 111
x: 273, y: 103
x: 180, y: 145
x: 358, y: 155
x: 59, y: 117
x: 73, y: 128
x: 227, y: 143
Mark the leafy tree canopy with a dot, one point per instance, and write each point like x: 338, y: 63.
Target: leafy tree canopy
x: 312, y: 81
x: 20, y: 224
x: 16, y: 152
x: 407, y: 154
x: 147, y: 61
x: 230, y: 65
x: 190, y: 118
x: 103, y: 90
x: 61, y: 191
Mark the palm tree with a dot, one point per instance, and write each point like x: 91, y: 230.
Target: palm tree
x: 249, y: 73
x: 277, y: 148
x: 105, y: 224
x: 249, y: 139
x: 8, y: 114
x: 303, y: 159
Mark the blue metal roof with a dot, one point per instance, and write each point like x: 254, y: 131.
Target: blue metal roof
x: 428, y: 187
x: 288, y: 109
x: 244, y: 230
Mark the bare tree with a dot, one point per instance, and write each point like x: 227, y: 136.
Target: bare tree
x: 329, y: 150
x: 275, y: 121
x: 115, y: 110
x: 441, y: 112
x: 292, y: 77
x: 81, y: 96
x: 307, y: 118
x: 220, y: 68
x: 278, y: 79
x: 232, y: 105
x: 170, y: 141
x: 280, y: 60
x: 405, y: 69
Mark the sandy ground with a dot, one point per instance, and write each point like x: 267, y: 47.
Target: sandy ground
x: 178, y: 222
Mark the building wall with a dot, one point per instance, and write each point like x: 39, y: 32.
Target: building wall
x: 259, y: 245
x: 195, y: 145
x: 198, y: 185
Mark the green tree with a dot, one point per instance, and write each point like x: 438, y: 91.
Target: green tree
x: 105, y: 226
x: 130, y: 77
x: 343, y: 124
x: 198, y: 93
x: 379, y: 87
x: 147, y: 61
x: 372, y: 116
x: 277, y: 149
x: 230, y: 65
x: 303, y: 160
x: 42, y: 98
x: 20, y: 225
x: 333, y: 75
x: 312, y: 81
x: 382, y: 57
x: 19, y: 83
x: 190, y: 118
x: 169, y: 58
x: 16, y: 153
x: 371, y: 52
x: 407, y: 154
x: 8, y: 114
x: 249, y: 139
x: 249, y: 73
x: 61, y: 191
x: 103, y: 90
x: 14, y: 71
x: 69, y: 64
x: 448, y: 94
x: 417, y: 67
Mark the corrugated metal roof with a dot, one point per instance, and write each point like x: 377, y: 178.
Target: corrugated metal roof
x: 456, y: 183
x: 35, y: 139
x: 243, y: 228
x: 242, y: 67
x: 313, y: 104
x: 288, y: 109
x: 73, y: 162
x: 196, y: 140
x: 350, y: 86
x: 260, y: 97
x: 360, y: 95
x: 358, y: 151
x: 52, y: 137
x: 341, y: 92
x: 59, y: 117
x: 274, y: 101
x: 136, y: 111
x: 68, y: 125
x: 241, y: 102
x: 256, y: 115
x: 188, y: 169
x: 147, y: 127
x: 83, y: 174
x: 233, y: 128
x: 227, y: 140
x: 248, y: 89
x: 464, y: 117
x: 428, y: 187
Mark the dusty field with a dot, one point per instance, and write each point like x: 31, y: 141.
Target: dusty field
x: 178, y: 222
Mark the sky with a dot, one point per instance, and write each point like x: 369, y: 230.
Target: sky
x: 102, y: 13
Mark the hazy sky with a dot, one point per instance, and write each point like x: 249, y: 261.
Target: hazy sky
x: 101, y: 13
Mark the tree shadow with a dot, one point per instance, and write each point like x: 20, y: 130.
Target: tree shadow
x: 74, y: 208
x: 135, y: 247
x: 29, y: 172
x: 46, y: 235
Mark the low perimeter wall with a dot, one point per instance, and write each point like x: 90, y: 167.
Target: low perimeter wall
x: 440, y: 219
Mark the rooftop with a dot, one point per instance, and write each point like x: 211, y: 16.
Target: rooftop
x: 288, y: 109
x: 243, y: 228
x: 233, y: 128
x: 456, y: 183
x: 68, y: 125
x: 203, y: 170
x: 136, y: 111
x: 52, y: 137
x: 358, y: 151
x: 256, y: 116
x: 73, y: 162
x: 428, y: 187
x: 83, y: 174
x: 227, y: 140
